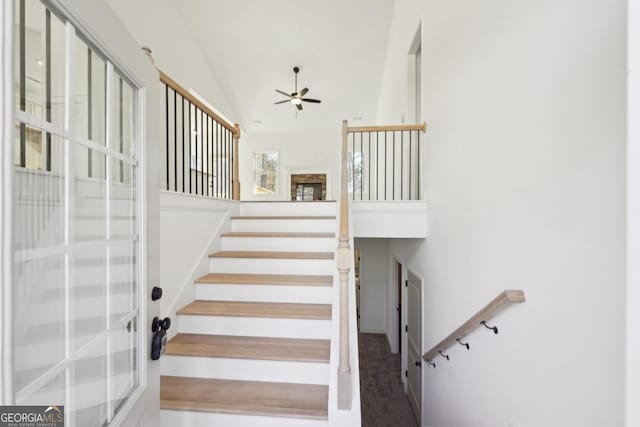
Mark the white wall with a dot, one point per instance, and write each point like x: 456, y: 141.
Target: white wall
x: 633, y: 220
x: 190, y: 230
x: 525, y: 163
x: 299, y: 152
x: 373, y: 285
x: 159, y: 25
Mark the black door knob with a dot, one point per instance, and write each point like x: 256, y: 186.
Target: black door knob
x: 156, y: 293
x: 418, y: 363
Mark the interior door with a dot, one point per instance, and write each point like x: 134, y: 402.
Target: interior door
x: 414, y: 342
x: 80, y: 263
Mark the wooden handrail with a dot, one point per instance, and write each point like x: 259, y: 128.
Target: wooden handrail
x: 164, y: 78
x: 389, y: 128
x: 344, y: 262
x: 498, y: 304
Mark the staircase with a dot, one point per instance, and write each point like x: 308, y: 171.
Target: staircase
x: 253, y: 349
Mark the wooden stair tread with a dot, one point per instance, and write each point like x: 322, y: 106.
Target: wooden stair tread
x: 266, y: 279
x: 239, y: 347
x: 280, y: 217
x: 244, y: 397
x: 258, y: 309
x: 276, y: 234
x: 272, y: 255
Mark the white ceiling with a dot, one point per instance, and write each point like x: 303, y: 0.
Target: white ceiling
x: 252, y: 46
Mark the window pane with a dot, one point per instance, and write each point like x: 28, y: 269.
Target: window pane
x: 38, y: 303
x: 266, y: 173
x: 39, y: 61
x: 52, y: 393
x: 88, y: 294
x: 89, y: 195
x: 122, y: 127
x: 89, y: 94
x: 123, y: 203
x: 39, y: 197
x: 123, y: 362
x: 123, y: 279
x: 34, y: 48
x: 89, y: 387
x: 56, y: 56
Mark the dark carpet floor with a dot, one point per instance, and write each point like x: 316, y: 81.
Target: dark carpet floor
x: 383, y: 401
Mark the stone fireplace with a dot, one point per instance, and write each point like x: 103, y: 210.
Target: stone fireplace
x: 308, y: 186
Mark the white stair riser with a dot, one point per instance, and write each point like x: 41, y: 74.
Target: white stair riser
x: 313, y: 244
x: 272, y: 266
x: 255, y: 327
x: 245, y: 369
x: 170, y: 418
x: 265, y: 293
x: 290, y: 225
x: 293, y: 208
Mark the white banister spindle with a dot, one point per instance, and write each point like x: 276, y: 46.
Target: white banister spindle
x: 344, y: 262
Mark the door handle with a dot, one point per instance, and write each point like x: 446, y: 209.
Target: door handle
x: 418, y: 363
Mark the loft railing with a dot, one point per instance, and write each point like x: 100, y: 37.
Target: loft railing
x: 385, y: 162
x: 368, y: 152
x: 201, y: 155
x: 478, y: 320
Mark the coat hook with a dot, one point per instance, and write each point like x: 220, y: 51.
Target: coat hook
x: 431, y: 363
x: 444, y: 355
x: 494, y: 328
x: 466, y: 344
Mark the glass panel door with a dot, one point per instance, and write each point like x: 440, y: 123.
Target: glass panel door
x: 76, y: 236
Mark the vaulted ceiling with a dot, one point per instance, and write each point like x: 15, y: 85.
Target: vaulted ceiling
x: 252, y: 46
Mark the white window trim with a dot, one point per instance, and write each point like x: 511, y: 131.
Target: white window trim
x: 254, y: 173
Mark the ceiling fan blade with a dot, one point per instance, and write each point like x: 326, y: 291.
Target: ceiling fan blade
x: 283, y: 93
x: 282, y: 102
x: 303, y: 92
x: 315, y: 101
x: 299, y: 107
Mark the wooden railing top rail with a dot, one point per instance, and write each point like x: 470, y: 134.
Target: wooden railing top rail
x: 164, y: 78
x: 499, y: 303
x: 388, y: 128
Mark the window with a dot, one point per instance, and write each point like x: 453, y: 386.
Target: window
x: 355, y: 167
x: 77, y: 263
x: 266, y: 172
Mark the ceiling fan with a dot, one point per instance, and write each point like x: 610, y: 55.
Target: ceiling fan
x: 296, y: 98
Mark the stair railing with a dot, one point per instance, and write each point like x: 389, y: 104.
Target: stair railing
x: 344, y: 262
x: 393, y: 152
x: 201, y: 153
x: 478, y: 320
x: 385, y: 162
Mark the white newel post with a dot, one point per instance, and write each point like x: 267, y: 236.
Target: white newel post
x: 344, y: 266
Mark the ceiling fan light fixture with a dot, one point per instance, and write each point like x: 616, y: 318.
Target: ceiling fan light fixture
x: 296, y: 101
